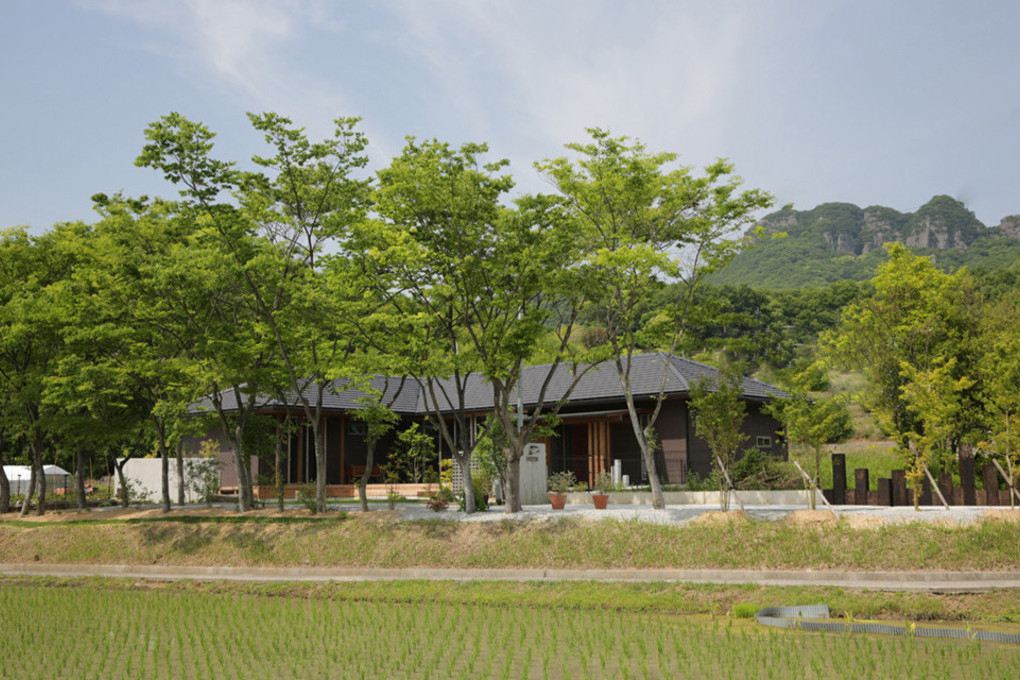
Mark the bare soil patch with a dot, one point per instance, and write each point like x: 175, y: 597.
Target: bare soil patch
x: 1002, y: 515
x: 718, y: 517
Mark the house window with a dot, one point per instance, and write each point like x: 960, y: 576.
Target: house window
x: 357, y: 428
x: 763, y: 442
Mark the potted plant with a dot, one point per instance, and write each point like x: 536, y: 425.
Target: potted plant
x: 603, y: 485
x: 559, y: 484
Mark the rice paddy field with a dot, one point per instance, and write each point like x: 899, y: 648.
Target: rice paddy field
x: 121, y: 630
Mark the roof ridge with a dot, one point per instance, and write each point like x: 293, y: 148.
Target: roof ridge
x: 684, y: 383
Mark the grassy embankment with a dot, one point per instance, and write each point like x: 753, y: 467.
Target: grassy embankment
x: 380, y: 541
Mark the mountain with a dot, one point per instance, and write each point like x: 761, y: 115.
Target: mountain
x: 838, y: 241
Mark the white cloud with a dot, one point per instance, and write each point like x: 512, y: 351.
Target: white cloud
x: 244, y: 47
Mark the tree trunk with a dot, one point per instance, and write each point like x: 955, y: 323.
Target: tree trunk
x: 40, y: 508
x: 79, y: 479
x: 179, y: 455
x: 164, y: 467
x: 5, y: 486
x: 244, y: 492
x: 467, y: 487
x: 320, y: 465
x: 125, y: 499
x: 278, y: 459
x: 647, y: 453
x: 512, y: 492
x: 27, y: 498
x: 370, y: 443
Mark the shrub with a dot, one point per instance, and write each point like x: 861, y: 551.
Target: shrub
x: 756, y: 469
x: 562, y: 482
x: 306, y: 496
x: 436, y: 503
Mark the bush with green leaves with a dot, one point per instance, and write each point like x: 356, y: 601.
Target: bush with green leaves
x: 562, y: 482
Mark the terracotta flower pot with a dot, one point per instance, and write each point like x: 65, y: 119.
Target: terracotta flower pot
x: 601, y: 500
x: 558, y: 500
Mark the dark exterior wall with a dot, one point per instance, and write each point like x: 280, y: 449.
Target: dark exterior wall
x: 756, y: 423
x: 624, y: 447
x: 355, y: 446
x: 671, y: 426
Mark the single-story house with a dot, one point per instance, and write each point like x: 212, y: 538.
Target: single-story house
x: 593, y: 432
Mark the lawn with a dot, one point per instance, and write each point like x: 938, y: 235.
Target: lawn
x: 116, y: 629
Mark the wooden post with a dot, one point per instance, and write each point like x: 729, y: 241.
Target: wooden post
x: 991, y: 481
x: 885, y: 495
x: 899, y: 488
x: 930, y: 484
x: 839, y: 479
x: 1009, y: 482
x: 861, y: 484
x: 925, y: 492
x: 946, y: 486
x: 967, y: 480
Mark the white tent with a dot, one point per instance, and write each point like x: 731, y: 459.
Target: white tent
x: 19, y: 476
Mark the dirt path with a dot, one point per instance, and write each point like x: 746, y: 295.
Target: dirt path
x: 942, y: 582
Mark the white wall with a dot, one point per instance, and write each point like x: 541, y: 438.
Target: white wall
x: 145, y: 475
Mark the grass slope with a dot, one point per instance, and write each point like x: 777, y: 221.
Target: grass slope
x: 378, y: 542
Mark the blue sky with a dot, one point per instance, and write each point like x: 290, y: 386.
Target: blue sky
x: 870, y: 102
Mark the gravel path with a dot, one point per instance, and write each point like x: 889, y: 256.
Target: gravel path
x: 682, y: 514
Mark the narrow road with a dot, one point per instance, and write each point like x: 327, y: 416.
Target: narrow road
x: 925, y: 581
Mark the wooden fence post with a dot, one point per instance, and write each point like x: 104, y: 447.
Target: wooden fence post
x: 839, y: 479
x: 861, y: 483
x: 967, y: 480
x: 946, y: 486
x: 991, y: 480
x: 899, y: 488
x: 885, y: 495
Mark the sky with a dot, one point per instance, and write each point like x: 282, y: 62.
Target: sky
x: 869, y: 101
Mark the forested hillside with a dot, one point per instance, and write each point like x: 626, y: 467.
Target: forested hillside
x: 840, y: 241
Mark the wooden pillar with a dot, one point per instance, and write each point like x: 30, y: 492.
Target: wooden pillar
x: 604, y: 425
x: 300, y: 453
x: 899, y: 488
x: 885, y: 496
x: 839, y: 479
x: 990, y: 477
x: 967, y: 480
x: 861, y: 483
x: 946, y: 486
x: 925, y: 492
x: 343, y: 437
x: 591, y: 453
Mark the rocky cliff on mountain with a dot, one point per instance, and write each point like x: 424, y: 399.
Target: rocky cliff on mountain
x: 835, y: 241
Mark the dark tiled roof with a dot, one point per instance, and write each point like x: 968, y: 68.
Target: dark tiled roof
x: 340, y: 395
x: 602, y: 383
x: 599, y: 383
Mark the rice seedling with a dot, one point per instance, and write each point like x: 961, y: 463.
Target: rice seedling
x: 114, y: 630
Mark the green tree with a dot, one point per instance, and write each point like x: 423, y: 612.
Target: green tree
x: 811, y: 419
x: 270, y: 243
x: 481, y: 285
x: 645, y: 224
x: 933, y: 396
x: 30, y: 343
x: 998, y: 376
x: 919, y: 319
x: 719, y: 413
